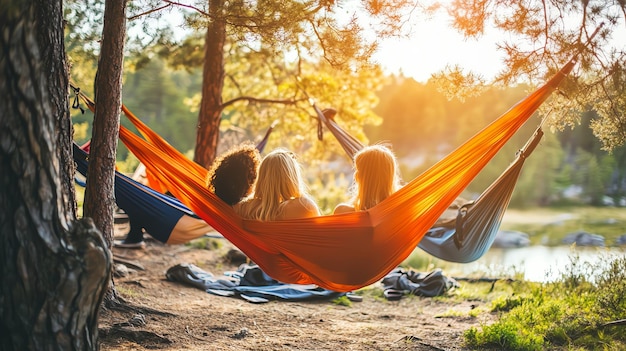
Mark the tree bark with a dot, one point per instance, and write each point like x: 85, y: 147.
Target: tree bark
x: 212, y: 85
x: 99, y: 201
x: 56, y: 70
x: 99, y: 193
x: 53, y: 270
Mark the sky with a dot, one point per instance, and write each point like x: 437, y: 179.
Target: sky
x: 433, y: 46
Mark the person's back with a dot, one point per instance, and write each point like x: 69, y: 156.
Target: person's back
x: 279, y: 192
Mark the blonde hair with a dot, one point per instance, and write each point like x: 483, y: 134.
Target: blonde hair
x: 279, y: 180
x: 376, y: 176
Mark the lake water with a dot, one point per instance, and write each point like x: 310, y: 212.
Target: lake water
x: 537, y: 263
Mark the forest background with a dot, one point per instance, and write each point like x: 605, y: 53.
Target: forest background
x: 422, y: 122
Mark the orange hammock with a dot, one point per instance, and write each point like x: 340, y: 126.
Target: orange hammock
x: 347, y: 251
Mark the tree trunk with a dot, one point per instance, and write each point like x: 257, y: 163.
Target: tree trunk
x: 48, y: 16
x: 99, y: 194
x: 54, y: 270
x: 212, y: 85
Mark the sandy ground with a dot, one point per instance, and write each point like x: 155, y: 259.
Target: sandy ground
x: 169, y: 315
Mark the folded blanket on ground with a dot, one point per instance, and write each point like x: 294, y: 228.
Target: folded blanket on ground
x: 249, y: 282
x: 400, y: 282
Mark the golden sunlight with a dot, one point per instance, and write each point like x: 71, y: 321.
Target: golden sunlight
x: 433, y: 46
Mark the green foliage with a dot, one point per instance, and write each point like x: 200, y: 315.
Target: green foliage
x: 507, y: 303
x: 539, y: 181
x: 206, y: 244
x: 342, y: 301
x: 80, y: 197
x: 502, y: 336
x: 127, y: 165
x: 421, y: 261
x: 329, y: 189
x: 80, y: 132
x: 541, y: 37
x: 612, y: 301
x: 568, y: 313
x: 157, y: 94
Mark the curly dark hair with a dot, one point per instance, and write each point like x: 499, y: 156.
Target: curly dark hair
x: 233, y: 173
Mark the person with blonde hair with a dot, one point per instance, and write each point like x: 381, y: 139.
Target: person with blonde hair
x: 376, y: 177
x: 280, y: 192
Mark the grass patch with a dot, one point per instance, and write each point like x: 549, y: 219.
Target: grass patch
x: 206, y: 243
x: 126, y: 291
x: 570, y: 313
x: 342, y: 301
x: 372, y: 292
x: 489, y: 291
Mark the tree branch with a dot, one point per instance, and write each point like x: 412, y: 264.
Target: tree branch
x: 262, y: 101
x: 187, y: 6
x: 148, y: 12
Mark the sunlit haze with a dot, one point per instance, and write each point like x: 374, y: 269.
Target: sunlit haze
x: 430, y: 45
x: 433, y: 46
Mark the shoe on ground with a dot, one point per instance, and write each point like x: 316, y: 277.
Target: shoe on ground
x: 122, y: 244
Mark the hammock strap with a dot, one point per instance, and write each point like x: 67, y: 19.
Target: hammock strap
x: 459, y: 234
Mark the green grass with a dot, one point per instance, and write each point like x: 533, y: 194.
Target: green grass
x: 205, y: 243
x: 342, y: 301
x: 569, y: 314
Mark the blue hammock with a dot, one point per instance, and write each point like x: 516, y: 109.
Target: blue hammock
x: 156, y: 212
x: 470, y: 235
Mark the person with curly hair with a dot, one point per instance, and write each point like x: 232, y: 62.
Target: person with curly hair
x: 234, y: 173
x: 231, y: 178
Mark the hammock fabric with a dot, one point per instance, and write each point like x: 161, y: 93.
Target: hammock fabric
x: 153, y: 180
x: 149, y: 208
x: 470, y: 235
x: 348, y: 251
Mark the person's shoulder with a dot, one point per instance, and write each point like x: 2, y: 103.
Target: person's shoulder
x: 343, y: 208
x: 301, y: 207
x: 246, y: 207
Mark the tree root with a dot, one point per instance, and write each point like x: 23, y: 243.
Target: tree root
x: 121, y: 305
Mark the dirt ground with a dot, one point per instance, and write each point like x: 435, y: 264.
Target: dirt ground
x: 172, y: 316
